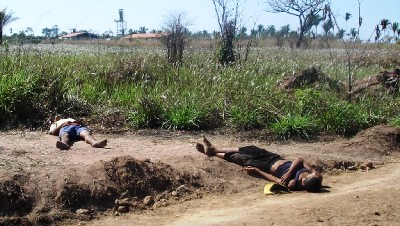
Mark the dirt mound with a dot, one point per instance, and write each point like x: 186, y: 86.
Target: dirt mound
x: 309, y: 77
x: 385, y: 82
x: 381, y: 139
x: 122, y: 184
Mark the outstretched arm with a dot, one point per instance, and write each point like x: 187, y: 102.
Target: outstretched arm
x: 266, y: 176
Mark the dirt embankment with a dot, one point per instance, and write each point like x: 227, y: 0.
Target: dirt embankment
x: 158, y: 180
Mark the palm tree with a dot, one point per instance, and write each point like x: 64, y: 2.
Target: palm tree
x: 271, y: 30
x: 353, y: 33
x: 395, y: 27
x: 385, y: 23
x: 5, y: 19
x: 327, y: 26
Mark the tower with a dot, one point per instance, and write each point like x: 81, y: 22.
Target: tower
x: 121, y: 23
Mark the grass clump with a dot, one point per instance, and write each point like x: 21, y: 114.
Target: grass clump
x: 294, y: 127
x: 148, y: 113
x: 395, y: 122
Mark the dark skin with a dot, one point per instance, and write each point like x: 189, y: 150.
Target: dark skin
x: 286, y: 179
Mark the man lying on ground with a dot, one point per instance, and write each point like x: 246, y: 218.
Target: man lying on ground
x: 296, y: 175
x: 70, y: 130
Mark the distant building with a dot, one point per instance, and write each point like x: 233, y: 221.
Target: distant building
x: 78, y: 36
x: 145, y: 36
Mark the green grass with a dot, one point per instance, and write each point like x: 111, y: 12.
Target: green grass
x: 294, y: 127
x: 82, y: 80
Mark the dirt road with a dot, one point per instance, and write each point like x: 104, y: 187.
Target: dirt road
x: 222, y: 193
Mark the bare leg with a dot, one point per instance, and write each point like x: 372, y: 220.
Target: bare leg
x: 219, y: 152
x: 214, y: 149
x: 64, y: 144
x: 88, y: 137
x: 208, y: 149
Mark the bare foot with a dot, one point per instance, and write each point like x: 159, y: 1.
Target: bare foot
x: 200, y: 148
x: 62, y: 146
x: 100, y: 144
x: 209, y: 149
x: 207, y: 144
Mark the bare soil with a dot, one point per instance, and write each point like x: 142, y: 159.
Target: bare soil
x: 159, y: 179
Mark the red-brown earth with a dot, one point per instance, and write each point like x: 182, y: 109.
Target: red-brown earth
x: 159, y: 179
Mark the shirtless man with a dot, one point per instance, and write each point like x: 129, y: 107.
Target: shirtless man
x: 70, y: 130
x: 296, y: 175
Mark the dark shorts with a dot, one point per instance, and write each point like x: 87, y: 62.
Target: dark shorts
x: 73, y: 132
x: 253, y: 156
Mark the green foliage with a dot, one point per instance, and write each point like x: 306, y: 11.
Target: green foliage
x: 83, y: 80
x: 17, y: 95
x: 292, y: 126
x: 395, y: 122
x: 183, y: 117
x: 148, y: 113
x: 311, y: 101
x: 341, y: 117
x: 226, y: 52
x: 330, y: 113
x: 245, y: 117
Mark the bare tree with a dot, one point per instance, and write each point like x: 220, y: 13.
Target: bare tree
x: 350, y: 45
x: 177, y: 37
x: 228, y: 12
x: 5, y: 19
x: 305, y: 10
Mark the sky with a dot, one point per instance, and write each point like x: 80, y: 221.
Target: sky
x: 99, y: 16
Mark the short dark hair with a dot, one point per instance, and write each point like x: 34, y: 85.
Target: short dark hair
x: 312, y: 184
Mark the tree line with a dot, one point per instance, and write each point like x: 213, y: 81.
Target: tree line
x: 312, y: 15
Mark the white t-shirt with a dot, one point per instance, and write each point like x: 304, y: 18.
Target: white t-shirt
x: 60, y: 122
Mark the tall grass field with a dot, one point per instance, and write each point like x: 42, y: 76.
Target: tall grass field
x: 138, y: 84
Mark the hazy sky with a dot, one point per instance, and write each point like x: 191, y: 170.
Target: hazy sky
x: 99, y: 16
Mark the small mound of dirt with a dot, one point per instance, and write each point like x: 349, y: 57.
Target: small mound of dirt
x: 122, y: 184
x: 381, y: 139
x: 14, y: 198
x: 309, y: 77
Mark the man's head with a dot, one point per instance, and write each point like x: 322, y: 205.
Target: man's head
x: 312, y: 183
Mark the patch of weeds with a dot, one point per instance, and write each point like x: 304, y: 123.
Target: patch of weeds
x: 240, y: 118
x: 187, y: 117
x: 395, y: 122
x: 294, y: 126
x: 341, y: 117
x: 147, y: 114
x: 310, y: 101
x: 331, y: 113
